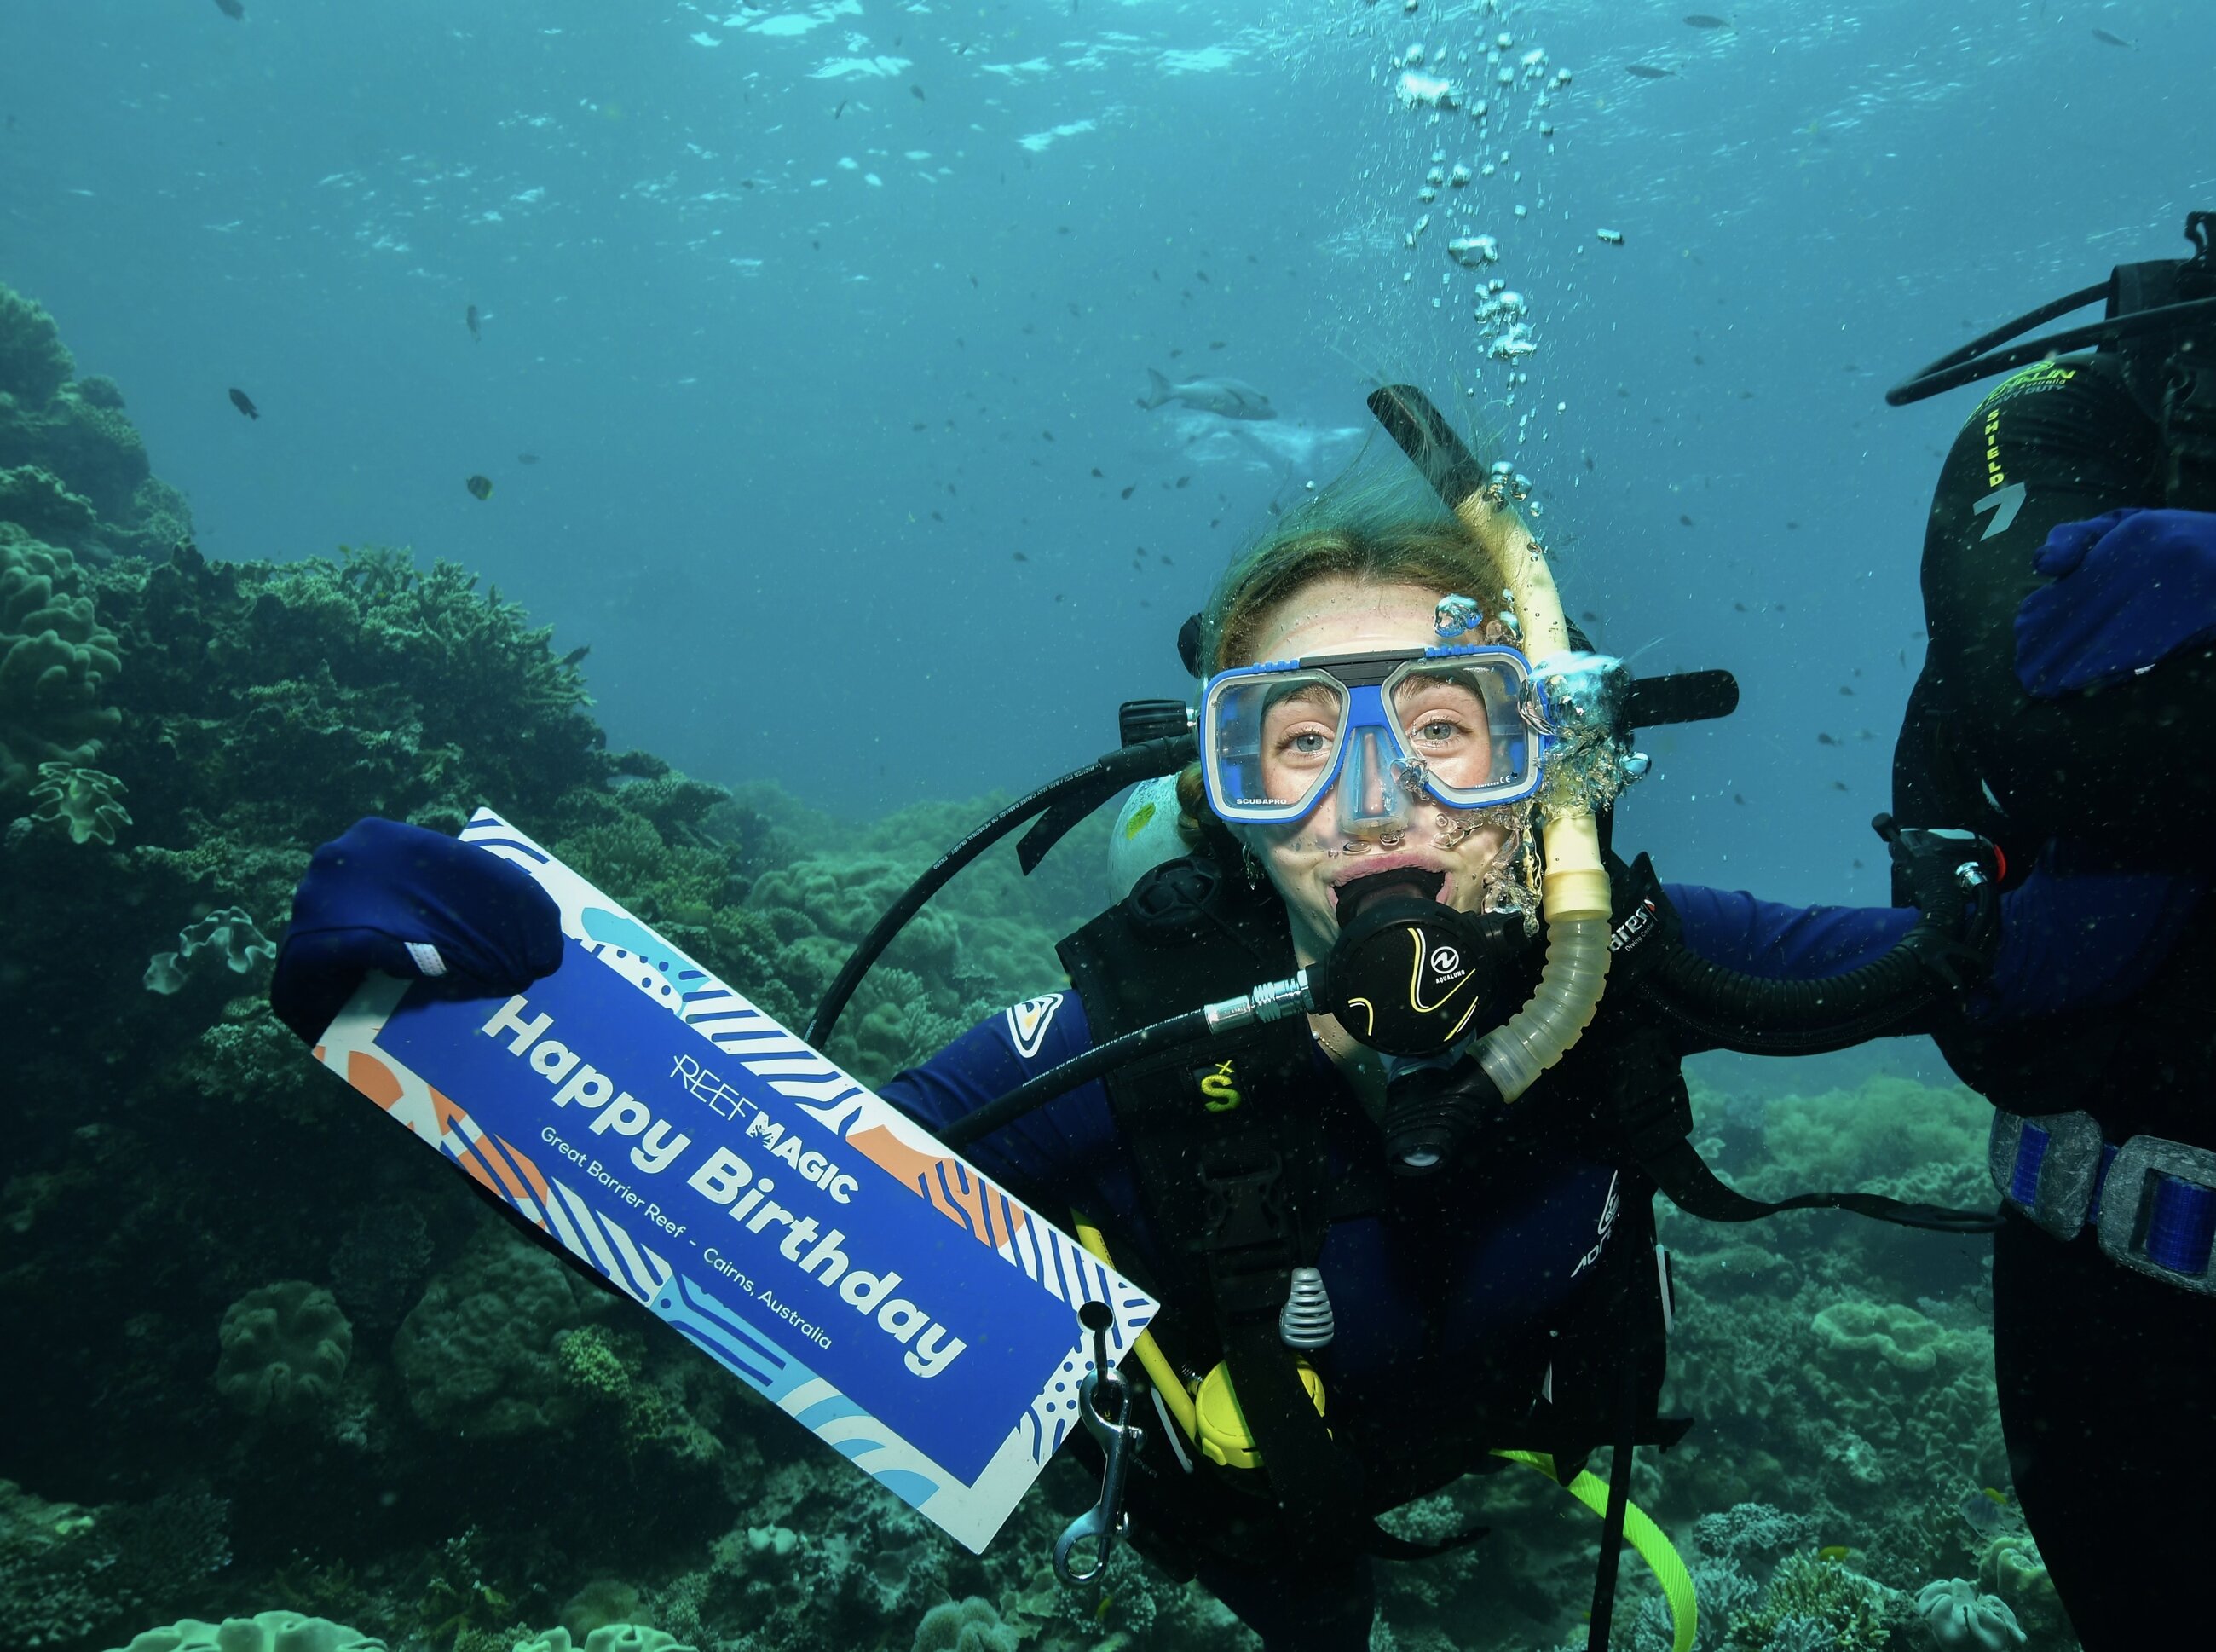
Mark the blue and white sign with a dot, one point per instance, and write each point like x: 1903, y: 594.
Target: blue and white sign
x: 811, y: 1238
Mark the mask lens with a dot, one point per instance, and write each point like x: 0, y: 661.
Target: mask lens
x: 1461, y: 720
x: 1272, y: 743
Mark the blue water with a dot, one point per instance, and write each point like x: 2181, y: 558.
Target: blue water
x: 718, y: 306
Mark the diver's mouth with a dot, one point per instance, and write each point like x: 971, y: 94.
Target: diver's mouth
x: 1425, y: 883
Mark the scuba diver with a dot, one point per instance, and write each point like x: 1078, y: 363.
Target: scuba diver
x: 1373, y: 1085
x: 2064, y: 711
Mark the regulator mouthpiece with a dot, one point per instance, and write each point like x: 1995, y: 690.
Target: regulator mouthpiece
x: 1407, y: 976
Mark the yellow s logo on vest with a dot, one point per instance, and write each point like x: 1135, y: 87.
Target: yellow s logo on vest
x: 1219, y: 1090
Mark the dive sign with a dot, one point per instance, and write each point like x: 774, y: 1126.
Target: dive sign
x: 808, y: 1237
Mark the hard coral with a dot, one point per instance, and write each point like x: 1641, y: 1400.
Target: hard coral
x: 33, y: 362
x: 480, y: 1353
x: 284, y: 1348
x: 37, y: 501
x: 55, y: 659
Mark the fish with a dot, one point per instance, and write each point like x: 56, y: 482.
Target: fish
x: 1648, y: 72
x: 1839, y: 785
x: 1702, y: 20
x: 916, y: 92
x: 526, y: 458
x: 1738, y: 797
x: 1985, y: 1511
x: 480, y: 487
x: 840, y: 110
x: 1020, y: 556
x: 244, y: 403
x: 576, y: 657
x: 1830, y: 1550
x: 1227, y: 398
x: 2100, y: 35
x: 1096, y: 471
x: 471, y: 317
x: 1684, y: 522
x: 232, y: 9
x: 1127, y: 492
x: 1823, y: 739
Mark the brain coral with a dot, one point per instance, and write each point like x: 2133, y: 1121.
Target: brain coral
x: 284, y: 1348
x: 480, y: 1353
x: 54, y: 657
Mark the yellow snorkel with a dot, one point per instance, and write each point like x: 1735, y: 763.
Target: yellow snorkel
x: 1574, y: 888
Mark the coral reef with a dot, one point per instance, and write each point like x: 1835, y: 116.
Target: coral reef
x: 267, y: 1631
x: 55, y: 659
x: 498, y: 1443
x: 481, y: 1353
x: 284, y: 1349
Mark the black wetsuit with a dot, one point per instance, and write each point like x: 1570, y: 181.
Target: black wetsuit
x: 2107, y: 1394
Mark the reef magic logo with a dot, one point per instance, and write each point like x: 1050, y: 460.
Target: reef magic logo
x: 814, y: 1240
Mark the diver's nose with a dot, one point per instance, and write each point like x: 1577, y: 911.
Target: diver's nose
x: 1372, y: 802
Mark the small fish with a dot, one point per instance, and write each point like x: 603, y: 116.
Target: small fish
x: 244, y: 403
x: 1837, y: 1551
x: 1845, y: 690
x: 840, y: 110
x: 1590, y: 616
x: 1702, y: 20
x: 1020, y: 556
x: 1738, y: 797
x: 1648, y: 72
x: 471, y: 317
x: 2100, y: 35
x: 1183, y: 481
x: 1790, y: 526
x: 480, y: 487
x: 1984, y: 1510
x: 916, y: 92
x: 1130, y: 490
x: 1218, y: 344
x: 1096, y: 471
x: 1839, y: 785
x: 1684, y: 522
x: 526, y: 458
x: 936, y: 517
x: 1823, y: 739
x: 576, y: 657
x: 1046, y: 435
x: 232, y: 9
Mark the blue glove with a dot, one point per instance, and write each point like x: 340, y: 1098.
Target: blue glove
x: 413, y: 904
x: 2130, y: 588
x: 2072, y: 940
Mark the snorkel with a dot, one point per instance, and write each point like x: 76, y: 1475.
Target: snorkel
x: 1422, y: 1123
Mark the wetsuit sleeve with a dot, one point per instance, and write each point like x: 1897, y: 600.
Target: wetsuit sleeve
x: 1054, y: 1156
x: 1775, y: 942
x: 2058, y: 443
x: 2070, y: 940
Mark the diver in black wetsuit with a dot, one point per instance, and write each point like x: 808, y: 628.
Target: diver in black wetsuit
x: 2064, y: 711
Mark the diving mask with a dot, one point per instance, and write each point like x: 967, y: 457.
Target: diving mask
x: 1467, y: 725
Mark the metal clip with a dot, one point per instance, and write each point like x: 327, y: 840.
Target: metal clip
x: 1109, y: 1424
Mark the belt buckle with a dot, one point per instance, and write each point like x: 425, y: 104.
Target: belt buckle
x: 2139, y: 1217
x: 2046, y: 1169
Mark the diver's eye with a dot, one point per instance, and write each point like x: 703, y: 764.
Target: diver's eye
x: 1438, y: 731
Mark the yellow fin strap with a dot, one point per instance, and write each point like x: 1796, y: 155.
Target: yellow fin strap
x: 1642, y: 1534
x: 1151, y: 1357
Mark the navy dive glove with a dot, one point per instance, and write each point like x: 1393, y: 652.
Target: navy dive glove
x: 2131, y: 588
x: 413, y: 904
